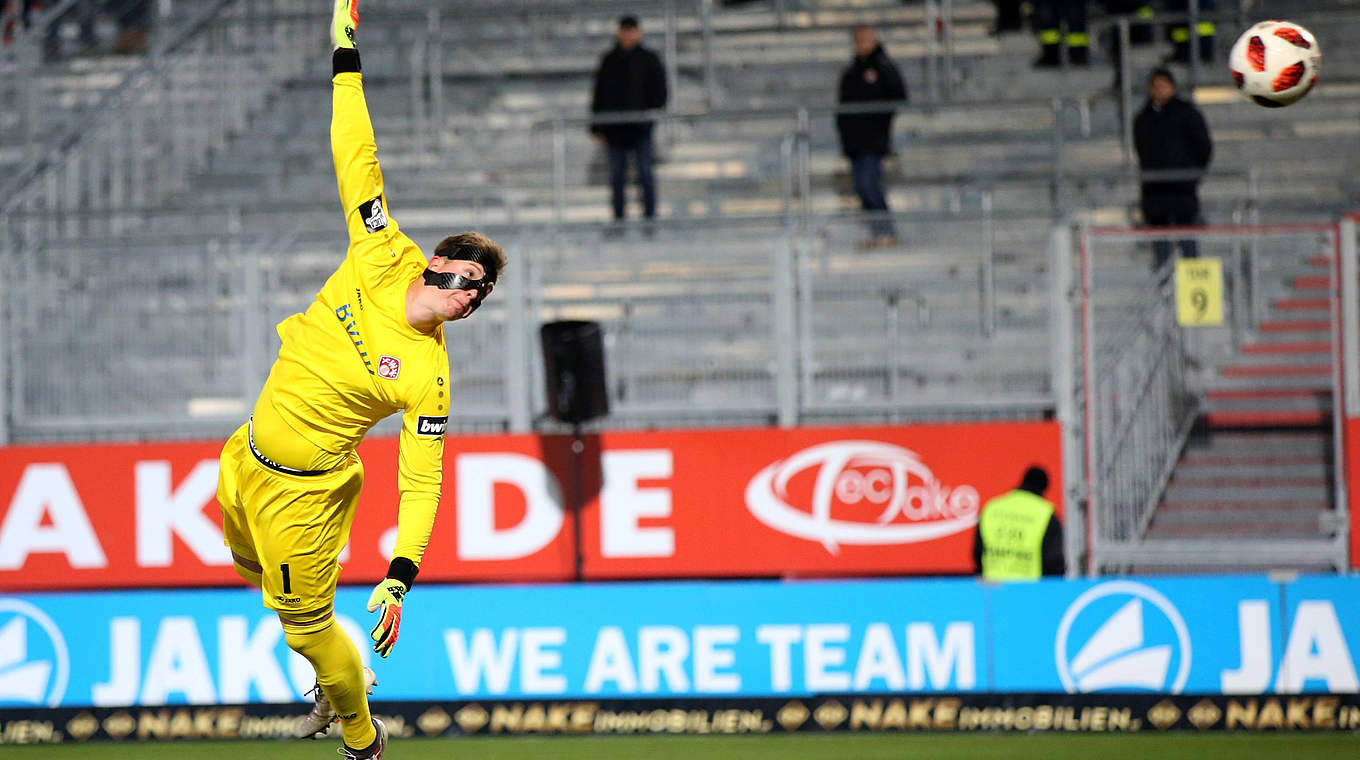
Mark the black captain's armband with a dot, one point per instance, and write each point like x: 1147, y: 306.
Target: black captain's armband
x: 372, y: 214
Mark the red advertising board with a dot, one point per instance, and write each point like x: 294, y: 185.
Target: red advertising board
x: 710, y: 503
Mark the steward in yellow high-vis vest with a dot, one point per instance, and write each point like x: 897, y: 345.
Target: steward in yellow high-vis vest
x: 1018, y: 536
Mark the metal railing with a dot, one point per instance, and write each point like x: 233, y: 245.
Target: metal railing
x: 1145, y: 380
x: 180, y: 329
x: 1139, y: 409
x: 163, y: 119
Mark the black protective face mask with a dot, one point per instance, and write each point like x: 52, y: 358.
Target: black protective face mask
x: 451, y: 281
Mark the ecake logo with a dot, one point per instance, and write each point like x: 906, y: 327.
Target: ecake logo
x: 34, y: 663
x: 859, y: 492
x: 1126, y: 636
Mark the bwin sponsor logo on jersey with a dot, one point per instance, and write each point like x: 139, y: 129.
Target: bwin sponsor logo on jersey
x: 1122, y: 636
x: 431, y: 426
x: 34, y: 662
x: 859, y: 492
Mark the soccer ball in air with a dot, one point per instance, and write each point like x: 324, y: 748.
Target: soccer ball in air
x: 1275, y: 63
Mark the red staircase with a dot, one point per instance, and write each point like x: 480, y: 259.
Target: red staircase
x: 1258, y: 469
x: 1283, y: 376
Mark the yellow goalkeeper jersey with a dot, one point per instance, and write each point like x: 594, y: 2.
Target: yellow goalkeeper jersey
x: 352, y: 358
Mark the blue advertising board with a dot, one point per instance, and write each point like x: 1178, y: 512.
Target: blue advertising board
x: 1211, y: 635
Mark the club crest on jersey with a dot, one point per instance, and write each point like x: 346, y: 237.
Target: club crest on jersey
x: 372, y: 214
x: 389, y: 367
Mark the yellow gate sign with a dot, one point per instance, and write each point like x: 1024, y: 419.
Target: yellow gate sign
x: 1199, y: 292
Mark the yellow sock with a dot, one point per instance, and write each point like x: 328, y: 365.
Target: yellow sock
x: 341, y: 675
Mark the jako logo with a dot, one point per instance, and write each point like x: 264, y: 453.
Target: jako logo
x: 33, y: 669
x: 905, y: 503
x: 1125, y: 636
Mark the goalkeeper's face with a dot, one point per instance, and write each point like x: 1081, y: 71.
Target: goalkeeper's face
x: 456, y: 303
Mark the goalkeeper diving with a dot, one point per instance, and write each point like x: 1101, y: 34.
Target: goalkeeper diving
x: 370, y: 345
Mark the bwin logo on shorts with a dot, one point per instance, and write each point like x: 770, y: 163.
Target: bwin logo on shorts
x: 34, y: 662
x: 1124, y: 636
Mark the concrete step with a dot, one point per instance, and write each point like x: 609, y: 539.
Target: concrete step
x: 1264, y: 407
x: 1311, y: 282
x: 1303, y: 471
x: 1302, y: 303
x: 1233, y: 530
x: 1292, y: 348
x: 1184, y: 497
x: 1276, y: 369
x: 1304, y: 517
x: 1236, y: 564
x: 1287, y: 445
x: 1265, y: 417
x: 1292, y: 324
x: 1290, y: 337
x: 1313, y: 403
x: 1258, y: 394
x: 1315, y: 384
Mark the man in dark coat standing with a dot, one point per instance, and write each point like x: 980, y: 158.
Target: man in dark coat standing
x: 630, y: 78
x: 867, y: 137
x: 1171, y: 136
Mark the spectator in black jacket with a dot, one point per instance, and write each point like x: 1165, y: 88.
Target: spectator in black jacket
x: 1171, y: 136
x: 630, y: 78
x: 867, y: 137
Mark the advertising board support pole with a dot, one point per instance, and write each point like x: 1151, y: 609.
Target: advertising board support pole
x: 1090, y: 417
x: 10, y: 245
x: 1346, y: 403
x: 578, y: 500
x: 1064, y: 388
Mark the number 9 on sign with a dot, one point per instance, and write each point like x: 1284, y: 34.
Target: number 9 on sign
x: 1199, y: 292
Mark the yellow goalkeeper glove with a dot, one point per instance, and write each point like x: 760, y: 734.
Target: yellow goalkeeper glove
x: 343, y: 23
x: 387, y: 597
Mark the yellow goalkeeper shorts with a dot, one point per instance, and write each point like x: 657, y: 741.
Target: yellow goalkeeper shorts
x: 286, y: 530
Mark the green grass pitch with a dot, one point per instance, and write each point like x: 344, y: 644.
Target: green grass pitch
x: 784, y: 747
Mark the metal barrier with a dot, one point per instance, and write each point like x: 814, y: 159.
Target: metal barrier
x: 710, y: 323
x: 137, y: 144
x: 1139, y: 409
x: 1145, y: 378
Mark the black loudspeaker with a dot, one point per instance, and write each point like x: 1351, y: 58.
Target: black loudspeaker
x: 573, y: 365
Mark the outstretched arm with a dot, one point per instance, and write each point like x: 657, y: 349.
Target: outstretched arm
x: 352, y: 143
